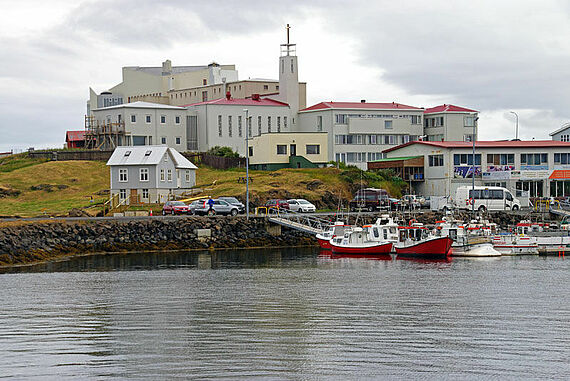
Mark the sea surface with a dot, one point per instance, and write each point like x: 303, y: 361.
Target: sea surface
x: 285, y: 314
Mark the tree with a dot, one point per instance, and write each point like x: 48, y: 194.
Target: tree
x: 222, y: 151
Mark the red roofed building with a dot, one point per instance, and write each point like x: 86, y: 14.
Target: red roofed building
x: 537, y: 168
x: 75, y: 139
x: 450, y: 122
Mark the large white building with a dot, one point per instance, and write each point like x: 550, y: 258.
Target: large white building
x: 535, y: 168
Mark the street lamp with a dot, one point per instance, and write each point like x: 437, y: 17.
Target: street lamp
x: 517, y: 126
x: 472, y: 198
x: 246, y: 111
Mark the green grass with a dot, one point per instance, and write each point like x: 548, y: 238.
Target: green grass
x: 13, y: 162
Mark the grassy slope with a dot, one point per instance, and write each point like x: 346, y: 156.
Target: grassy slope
x: 85, y: 178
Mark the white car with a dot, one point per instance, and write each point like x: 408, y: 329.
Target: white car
x: 301, y: 205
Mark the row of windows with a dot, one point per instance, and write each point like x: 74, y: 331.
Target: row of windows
x: 565, y: 138
x: 358, y: 157
x: 215, y: 90
x: 466, y: 159
x: 148, y: 119
x: 468, y: 121
x: 343, y: 118
x: 143, y: 175
x: 534, y: 158
x: 310, y: 149
x: 139, y: 140
x: 374, y: 139
x: 435, y: 160
x: 123, y: 194
x: 230, y: 120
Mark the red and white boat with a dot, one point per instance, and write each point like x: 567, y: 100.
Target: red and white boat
x: 336, y: 229
x: 417, y: 241
x: 370, y: 240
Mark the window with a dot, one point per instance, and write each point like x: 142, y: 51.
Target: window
x: 468, y: 138
x: 269, y: 124
x: 219, y: 125
x: 388, y: 124
x: 265, y: 87
x: 143, y: 172
x: 355, y: 157
x: 133, y: 118
x: 281, y: 149
x: 162, y: 174
x: 147, y: 119
x: 163, y: 140
x: 177, y: 119
x: 435, y: 160
x: 278, y: 124
x: 178, y: 140
x: 230, y: 126
x: 469, y: 121
x: 390, y: 139
x: 466, y: 159
x: 319, y: 123
x: 250, y: 151
x: 187, y: 175
x: 147, y: 153
x: 416, y: 119
x: 162, y: 119
x: 145, y: 194
x: 123, y: 175
x: 285, y: 122
x: 204, y: 82
x: 292, y: 66
x: 561, y: 158
x: 169, y: 175
x: 240, y: 134
x: 122, y: 194
x: 259, y: 125
x: 249, y: 126
x: 501, y: 159
x: 127, y: 153
x: 341, y: 118
x: 534, y: 159
x: 313, y: 149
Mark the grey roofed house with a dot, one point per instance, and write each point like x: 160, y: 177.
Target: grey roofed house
x: 562, y: 134
x: 149, y: 174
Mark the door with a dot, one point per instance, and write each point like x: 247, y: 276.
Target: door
x: 293, y: 149
x: 134, y: 197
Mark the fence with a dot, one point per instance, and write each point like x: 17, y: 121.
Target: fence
x: 217, y: 162
x: 71, y: 155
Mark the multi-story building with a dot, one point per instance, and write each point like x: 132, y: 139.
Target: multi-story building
x: 562, y: 134
x: 137, y: 124
x: 222, y: 122
x: 535, y: 168
x: 359, y: 132
x: 450, y: 123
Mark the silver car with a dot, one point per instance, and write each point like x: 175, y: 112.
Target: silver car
x: 301, y: 205
x: 219, y: 207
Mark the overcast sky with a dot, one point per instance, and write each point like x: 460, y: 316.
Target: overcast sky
x: 493, y: 56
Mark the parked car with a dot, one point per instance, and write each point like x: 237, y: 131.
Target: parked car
x: 411, y: 201
x: 174, y: 207
x: 369, y: 199
x: 301, y: 205
x: 234, y: 201
x: 195, y: 205
x: 425, y: 202
x: 395, y: 204
x: 219, y: 207
x: 277, y: 203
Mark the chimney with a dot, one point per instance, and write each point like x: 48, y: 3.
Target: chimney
x: 228, y: 95
x: 363, y: 101
x: 167, y: 67
x: 255, y: 97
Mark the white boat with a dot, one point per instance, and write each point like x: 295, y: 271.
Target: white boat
x: 466, y: 243
x: 362, y: 241
x: 532, y: 238
x: 334, y: 230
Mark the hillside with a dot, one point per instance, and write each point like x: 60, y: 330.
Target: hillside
x: 32, y: 188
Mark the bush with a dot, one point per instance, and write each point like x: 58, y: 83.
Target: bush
x: 222, y: 151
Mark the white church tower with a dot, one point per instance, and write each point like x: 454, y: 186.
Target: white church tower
x: 289, y: 76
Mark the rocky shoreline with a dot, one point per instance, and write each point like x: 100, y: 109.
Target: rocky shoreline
x: 46, y: 240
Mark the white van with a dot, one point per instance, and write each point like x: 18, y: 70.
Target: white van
x: 486, y: 198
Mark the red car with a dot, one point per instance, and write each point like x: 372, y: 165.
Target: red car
x: 277, y: 203
x: 174, y: 207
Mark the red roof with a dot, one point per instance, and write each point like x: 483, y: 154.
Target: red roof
x: 489, y: 144
x: 447, y: 108
x: 360, y: 105
x: 240, y: 102
x: 74, y: 136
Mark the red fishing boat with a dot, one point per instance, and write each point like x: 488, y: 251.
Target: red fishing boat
x: 359, y: 241
x: 416, y: 241
x: 335, y: 230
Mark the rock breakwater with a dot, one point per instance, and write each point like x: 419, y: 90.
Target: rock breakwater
x: 41, y: 241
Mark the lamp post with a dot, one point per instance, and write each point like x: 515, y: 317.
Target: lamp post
x: 517, y: 125
x: 246, y: 111
x: 472, y: 198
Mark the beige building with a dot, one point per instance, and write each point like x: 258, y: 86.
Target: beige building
x: 288, y: 150
x: 450, y: 123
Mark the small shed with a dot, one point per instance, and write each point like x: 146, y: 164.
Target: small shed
x: 75, y: 139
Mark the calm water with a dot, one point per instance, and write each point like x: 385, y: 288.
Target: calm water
x: 286, y: 314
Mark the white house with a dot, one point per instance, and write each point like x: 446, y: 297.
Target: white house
x: 450, y: 123
x: 149, y: 174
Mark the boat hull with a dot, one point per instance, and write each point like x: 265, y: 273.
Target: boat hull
x: 475, y: 250
x: 369, y: 249
x: 433, y: 248
x: 324, y: 243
